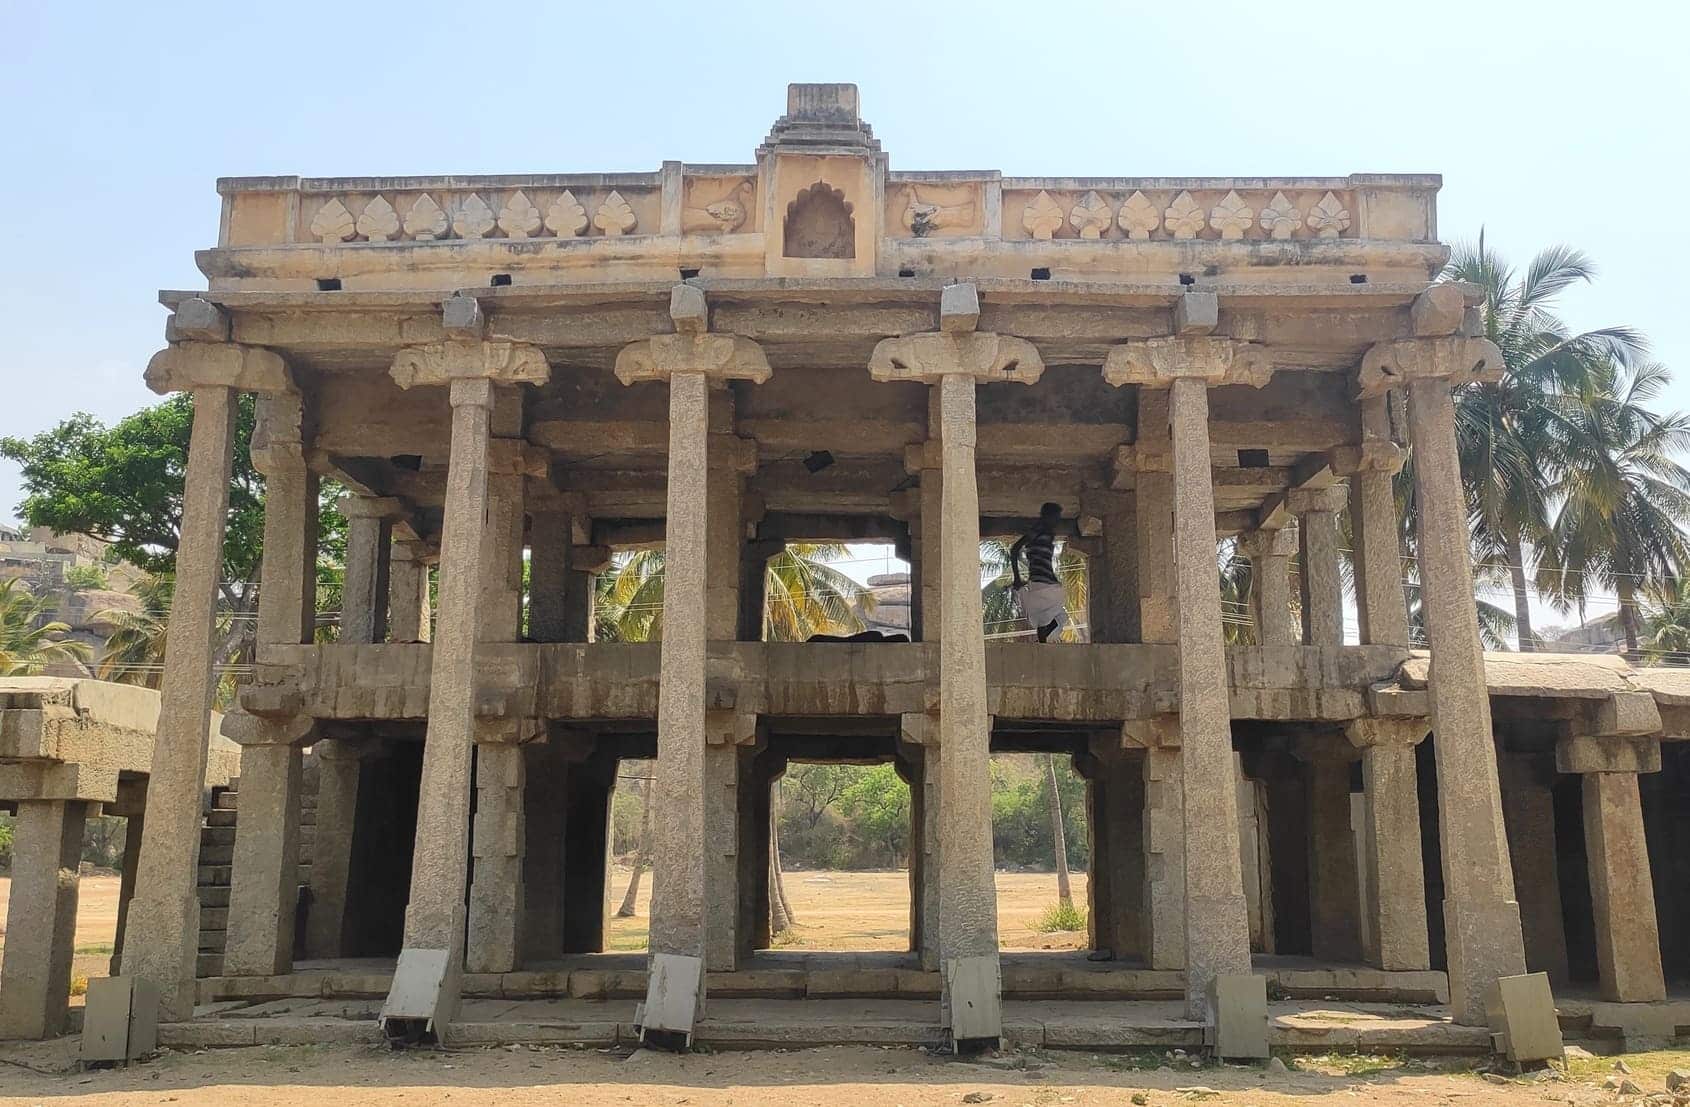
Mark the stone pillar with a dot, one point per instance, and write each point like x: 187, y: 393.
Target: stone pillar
x: 689, y: 360
x: 134, y: 828
x: 1217, y: 930
x: 364, y: 588
x: 1322, y: 581
x: 951, y: 360
x: 408, y: 614
x: 435, y: 916
x: 1628, y: 938
x: 726, y: 735
x: 919, y: 735
x: 1529, y: 809
x: 731, y: 457
x: 1115, y: 813
x: 1334, y: 889
x: 1155, y: 517
x: 501, y: 581
x: 41, y: 939
x: 968, y: 931
x: 1481, y: 917
x: 1377, y: 558
x: 264, y: 881
x: 925, y: 569
x: 287, y: 592
x: 1270, y: 553
x: 497, y: 839
x: 1395, y: 887
x: 163, y: 925
x: 1113, y: 567
x: 339, y: 768
x: 1217, y: 936
x: 1164, y: 859
x: 548, y: 576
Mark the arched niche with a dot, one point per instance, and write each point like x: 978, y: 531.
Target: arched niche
x: 819, y: 224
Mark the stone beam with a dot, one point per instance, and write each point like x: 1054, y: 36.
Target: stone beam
x: 192, y: 366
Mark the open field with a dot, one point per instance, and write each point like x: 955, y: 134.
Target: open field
x: 836, y: 910
x: 846, y: 1076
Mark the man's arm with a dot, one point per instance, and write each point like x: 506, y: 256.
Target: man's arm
x: 1015, y: 560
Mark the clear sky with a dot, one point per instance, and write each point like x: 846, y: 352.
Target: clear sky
x: 1550, y: 123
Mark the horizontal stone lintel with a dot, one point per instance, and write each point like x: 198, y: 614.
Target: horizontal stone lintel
x: 1608, y: 755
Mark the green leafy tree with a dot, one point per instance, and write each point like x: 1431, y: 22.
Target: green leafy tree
x: 877, y: 804
x: 1624, y: 497
x: 1666, y: 624
x: 134, y: 651
x: 1505, y: 432
x: 83, y: 578
x: 29, y: 642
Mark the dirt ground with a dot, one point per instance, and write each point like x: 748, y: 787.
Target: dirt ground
x: 847, y: 1076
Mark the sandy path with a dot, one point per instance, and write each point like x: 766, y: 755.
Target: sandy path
x: 365, y: 1076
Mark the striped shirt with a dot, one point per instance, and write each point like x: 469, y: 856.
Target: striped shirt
x: 1041, y: 555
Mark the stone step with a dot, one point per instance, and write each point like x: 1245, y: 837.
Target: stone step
x: 216, y: 836
x: 226, y: 801
x: 212, y: 941
x: 217, y: 853
x: 213, y: 896
x: 213, y: 875
x: 209, y: 964
x: 219, y: 817
x: 213, y: 918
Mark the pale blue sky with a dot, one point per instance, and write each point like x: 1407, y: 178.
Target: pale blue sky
x: 1549, y: 122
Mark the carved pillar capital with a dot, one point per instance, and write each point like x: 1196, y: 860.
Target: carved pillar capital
x: 455, y: 361
x: 1386, y: 730
x: 1312, y: 501
x: 692, y: 348
x: 1454, y: 358
x: 187, y: 366
x: 1159, y: 362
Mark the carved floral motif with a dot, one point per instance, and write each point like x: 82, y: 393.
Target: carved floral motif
x: 1184, y: 216
x: 1329, y: 218
x: 426, y: 220
x: 379, y: 222
x: 1139, y: 216
x: 333, y: 223
x: 614, y: 216
x: 519, y: 218
x: 1091, y: 216
x: 565, y: 217
x: 1232, y: 216
x: 1043, y: 216
x: 474, y: 218
x: 1281, y: 218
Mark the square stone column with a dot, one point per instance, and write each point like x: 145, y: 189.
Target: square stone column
x: 690, y: 360
x: 1395, y: 887
x: 1622, y: 890
x: 1322, y: 581
x: 1529, y: 809
x: 951, y: 360
x: 1217, y: 934
x: 408, y: 615
x: 1481, y: 917
x: 1114, y: 811
x: 729, y: 740
x: 1185, y: 365
x: 287, y: 592
x: 497, y: 841
x: 926, y: 588
x: 1154, y: 511
x: 41, y: 938
x: 162, y: 943
x: 501, y: 583
x: 264, y: 881
x: 550, y: 533
x: 364, y: 588
x: 1381, y: 606
x: 133, y: 831
x: 1270, y: 554
x: 919, y: 738
x: 339, y: 770
x: 1334, y: 879
x: 1164, y: 859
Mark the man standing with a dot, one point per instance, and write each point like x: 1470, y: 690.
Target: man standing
x: 1041, y: 596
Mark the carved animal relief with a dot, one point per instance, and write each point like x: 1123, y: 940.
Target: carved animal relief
x: 724, y: 216
x: 922, y: 217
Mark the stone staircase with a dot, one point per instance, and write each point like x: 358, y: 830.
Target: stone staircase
x: 217, y: 854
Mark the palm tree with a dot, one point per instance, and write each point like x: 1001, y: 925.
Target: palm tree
x: 1058, y: 837
x: 29, y: 642
x: 1503, y: 430
x: 134, y: 651
x: 642, y: 856
x: 628, y: 600
x: 1236, y: 576
x: 1624, y: 499
x: 1666, y: 624
x: 1001, y: 611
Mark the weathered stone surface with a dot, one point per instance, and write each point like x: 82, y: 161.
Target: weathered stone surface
x: 196, y: 366
x: 35, y: 967
x: 977, y: 354
x: 1628, y: 939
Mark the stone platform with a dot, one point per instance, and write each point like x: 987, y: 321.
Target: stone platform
x: 765, y: 1023
x: 1057, y: 976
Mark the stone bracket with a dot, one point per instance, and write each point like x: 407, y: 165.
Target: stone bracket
x: 441, y: 363
x: 186, y: 366
x: 1608, y: 755
x: 1454, y: 358
x: 1159, y: 732
x: 1158, y: 362
x: 1387, y: 730
x: 934, y: 355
